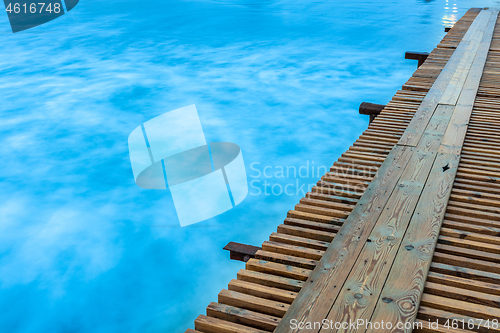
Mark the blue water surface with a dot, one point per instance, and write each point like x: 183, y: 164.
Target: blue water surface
x: 82, y: 248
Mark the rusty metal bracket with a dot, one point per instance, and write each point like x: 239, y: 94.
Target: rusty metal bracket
x: 420, y: 56
x: 371, y: 109
x: 241, y: 252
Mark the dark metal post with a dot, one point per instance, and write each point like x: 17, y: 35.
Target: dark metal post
x: 241, y: 252
x: 371, y: 109
x: 420, y: 56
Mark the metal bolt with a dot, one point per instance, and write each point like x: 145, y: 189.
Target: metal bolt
x: 387, y: 300
x: 358, y: 296
x: 391, y: 238
x: 409, y: 247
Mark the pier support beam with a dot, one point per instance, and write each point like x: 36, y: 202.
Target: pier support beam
x: 241, y: 252
x: 420, y: 56
x: 371, y: 109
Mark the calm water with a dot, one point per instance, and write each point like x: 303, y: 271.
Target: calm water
x: 82, y: 248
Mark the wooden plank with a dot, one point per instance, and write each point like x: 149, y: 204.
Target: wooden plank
x: 399, y: 299
x: 460, y: 307
x: 362, y: 288
x: 331, y: 227
x: 327, y: 204
x: 455, y: 134
x: 292, y: 250
x: 491, y: 229
x: 252, y: 303
x: 415, y: 129
x: 213, y: 325
x: 315, y: 299
x: 299, y: 241
x: 461, y: 294
x: 457, y: 259
x: 269, y: 267
x: 314, y: 209
x: 262, y: 291
x: 457, y: 82
x: 467, y: 254
x: 443, y: 317
x: 314, y: 214
x: 464, y: 283
x: 242, y: 316
x: 318, y: 235
x: 473, y: 213
x: 270, y: 280
x: 434, y: 132
x: 286, y: 259
x: 489, y: 250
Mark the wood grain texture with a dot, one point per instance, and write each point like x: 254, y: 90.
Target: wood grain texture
x: 361, y: 290
x: 242, y: 316
x: 214, y: 325
x: 455, y: 134
x: 278, y: 269
x: 314, y: 301
x: 457, y: 82
x: 252, y: 303
x: 346, y: 307
x: 419, y: 122
x: 262, y: 291
x: 433, y: 134
x: 461, y: 307
x: 443, y: 316
x: 270, y: 280
x: 401, y: 294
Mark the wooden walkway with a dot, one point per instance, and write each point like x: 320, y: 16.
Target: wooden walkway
x: 405, y: 228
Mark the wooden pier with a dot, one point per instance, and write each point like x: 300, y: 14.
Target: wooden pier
x: 405, y: 227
